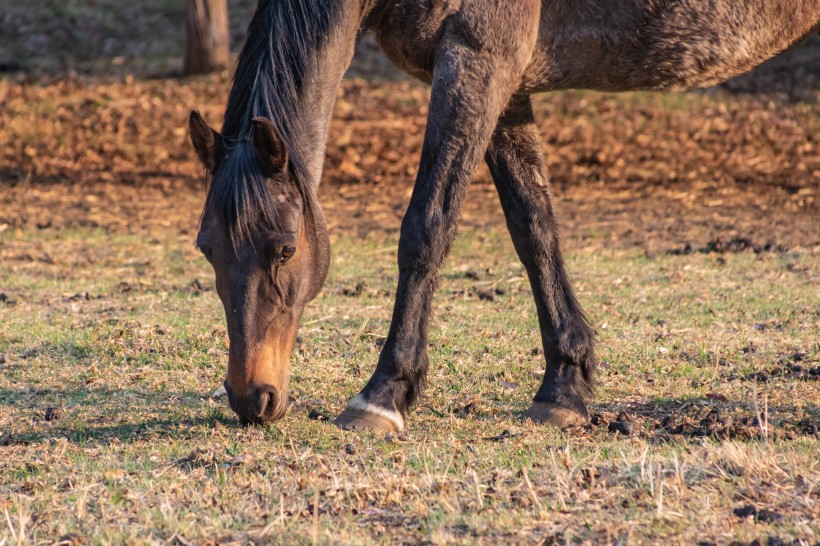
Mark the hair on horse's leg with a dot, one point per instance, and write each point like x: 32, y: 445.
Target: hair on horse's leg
x: 468, y: 95
x: 516, y: 161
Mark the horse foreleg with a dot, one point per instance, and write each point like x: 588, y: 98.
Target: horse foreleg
x: 469, y: 93
x: 516, y: 161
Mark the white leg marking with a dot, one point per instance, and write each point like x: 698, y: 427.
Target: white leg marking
x: 359, y: 403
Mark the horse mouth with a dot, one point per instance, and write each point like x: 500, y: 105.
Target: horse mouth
x: 262, y: 405
x: 248, y: 419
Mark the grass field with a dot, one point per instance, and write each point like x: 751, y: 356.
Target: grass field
x: 113, y: 344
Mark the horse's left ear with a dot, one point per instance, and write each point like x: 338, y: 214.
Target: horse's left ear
x: 269, y: 145
x: 207, y: 142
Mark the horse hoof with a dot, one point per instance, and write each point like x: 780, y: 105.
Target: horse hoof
x: 558, y: 416
x: 360, y: 415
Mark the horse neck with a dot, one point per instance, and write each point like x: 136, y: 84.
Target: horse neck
x: 292, y: 75
x: 320, y: 97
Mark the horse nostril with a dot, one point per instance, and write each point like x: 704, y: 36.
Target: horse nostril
x: 267, y: 401
x: 261, y: 404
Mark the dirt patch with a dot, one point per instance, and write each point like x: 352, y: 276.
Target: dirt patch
x: 694, y: 420
x: 736, y: 244
x: 791, y: 367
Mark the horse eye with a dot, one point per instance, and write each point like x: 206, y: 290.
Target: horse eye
x: 287, y: 253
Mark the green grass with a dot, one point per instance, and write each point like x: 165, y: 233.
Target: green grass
x: 141, y: 453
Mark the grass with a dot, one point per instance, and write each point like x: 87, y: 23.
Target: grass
x: 112, y: 331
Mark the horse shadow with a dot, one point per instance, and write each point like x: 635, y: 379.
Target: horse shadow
x: 48, y: 423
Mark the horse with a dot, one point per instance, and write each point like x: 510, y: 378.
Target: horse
x: 264, y: 232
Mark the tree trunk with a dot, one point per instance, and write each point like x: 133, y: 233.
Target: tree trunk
x: 208, y: 37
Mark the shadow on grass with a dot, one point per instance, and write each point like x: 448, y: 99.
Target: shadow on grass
x: 658, y: 409
x: 32, y: 397
x: 684, y: 418
x: 83, y: 434
x: 699, y: 417
x: 41, y: 412
x: 654, y: 409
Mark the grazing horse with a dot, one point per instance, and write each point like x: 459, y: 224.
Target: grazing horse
x: 264, y: 232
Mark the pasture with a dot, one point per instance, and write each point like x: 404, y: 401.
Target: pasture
x: 689, y: 222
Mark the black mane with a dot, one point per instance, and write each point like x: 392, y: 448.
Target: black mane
x: 274, y: 68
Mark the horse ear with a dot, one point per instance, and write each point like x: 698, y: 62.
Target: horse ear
x: 208, y: 143
x: 269, y: 145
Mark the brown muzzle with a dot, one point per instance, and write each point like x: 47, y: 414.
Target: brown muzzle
x: 257, y: 383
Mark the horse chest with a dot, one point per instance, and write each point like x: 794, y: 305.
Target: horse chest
x: 409, y: 30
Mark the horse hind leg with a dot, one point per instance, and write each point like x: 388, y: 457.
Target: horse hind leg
x: 516, y: 161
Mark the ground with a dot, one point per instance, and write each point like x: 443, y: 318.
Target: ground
x: 689, y: 222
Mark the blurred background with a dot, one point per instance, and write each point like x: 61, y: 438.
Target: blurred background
x: 96, y: 93
x: 148, y: 39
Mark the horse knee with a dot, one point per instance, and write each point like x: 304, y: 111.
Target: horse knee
x: 422, y: 243
x: 537, y: 231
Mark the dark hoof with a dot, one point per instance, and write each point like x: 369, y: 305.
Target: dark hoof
x: 555, y: 415
x: 358, y: 415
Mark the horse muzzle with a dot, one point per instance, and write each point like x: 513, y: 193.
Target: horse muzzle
x: 260, y: 404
